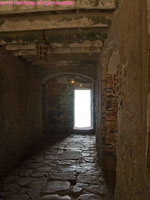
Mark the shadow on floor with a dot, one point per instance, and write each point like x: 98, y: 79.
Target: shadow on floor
x: 65, y: 167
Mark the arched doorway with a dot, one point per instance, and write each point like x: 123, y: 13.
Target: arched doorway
x: 60, y: 104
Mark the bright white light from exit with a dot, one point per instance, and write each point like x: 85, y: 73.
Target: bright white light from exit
x: 82, y: 109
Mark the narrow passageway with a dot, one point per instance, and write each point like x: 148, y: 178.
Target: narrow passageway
x: 69, y: 71
x: 66, y: 170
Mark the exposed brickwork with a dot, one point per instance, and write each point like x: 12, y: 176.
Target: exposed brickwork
x: 111, y: 114
x: 108, y: 130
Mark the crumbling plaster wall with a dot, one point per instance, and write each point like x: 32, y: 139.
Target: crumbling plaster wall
x: 128, y: 36
x: 20, y: 110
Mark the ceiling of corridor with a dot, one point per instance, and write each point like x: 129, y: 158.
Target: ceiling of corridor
x: 73, y: 34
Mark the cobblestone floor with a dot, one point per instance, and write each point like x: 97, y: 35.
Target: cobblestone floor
x: 67, y: 170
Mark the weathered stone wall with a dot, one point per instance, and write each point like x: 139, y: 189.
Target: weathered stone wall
x: 20, y: 110
x: 59, y: 100
x: 128, y: 36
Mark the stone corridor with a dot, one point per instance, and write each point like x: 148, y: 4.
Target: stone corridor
x: 47, y: 53
x: 66, y: 170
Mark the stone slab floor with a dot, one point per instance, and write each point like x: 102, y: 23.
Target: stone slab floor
x: 66, y: 170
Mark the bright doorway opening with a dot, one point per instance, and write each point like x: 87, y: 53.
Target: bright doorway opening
x: 83, y: 115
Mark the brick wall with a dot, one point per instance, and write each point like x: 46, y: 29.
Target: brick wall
x: 108, y: 130
x: 111, y: 114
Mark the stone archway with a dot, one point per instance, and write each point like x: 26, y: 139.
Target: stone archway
x: 58, y: 101
x: 50, y: 76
